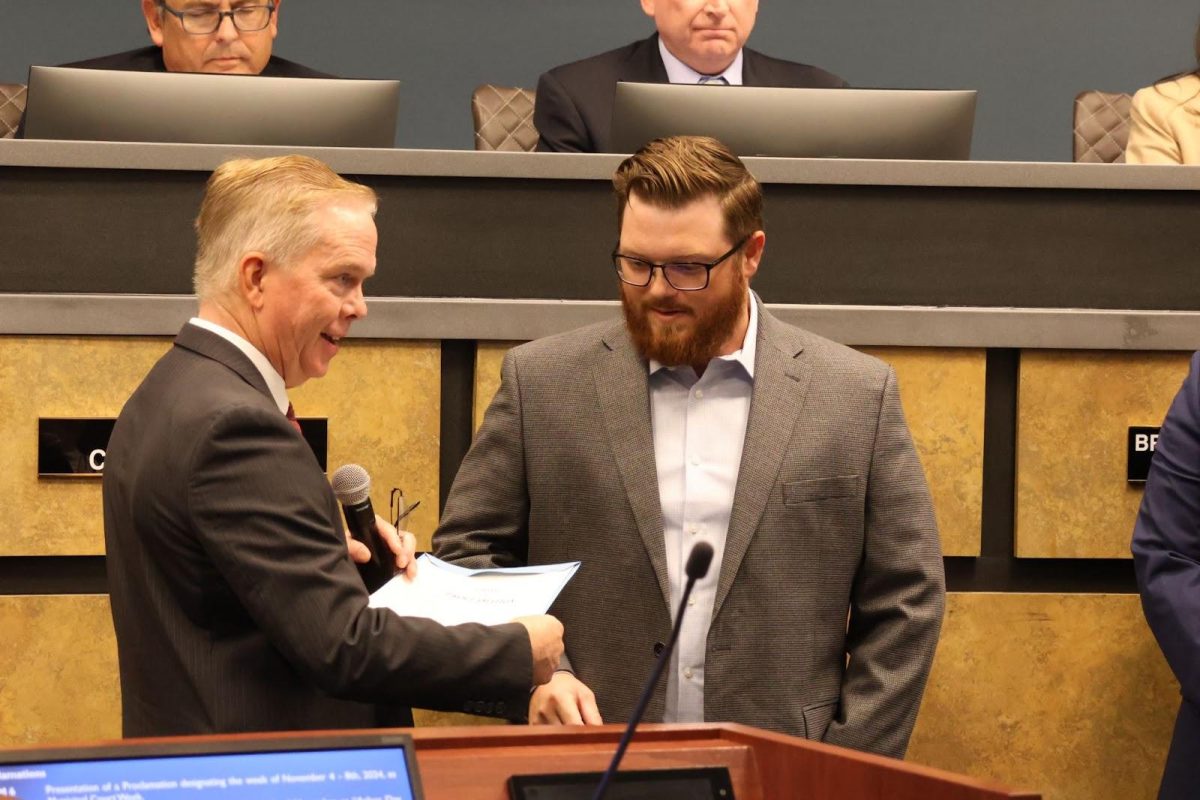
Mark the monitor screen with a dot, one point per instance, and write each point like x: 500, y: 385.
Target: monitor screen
x: 322, y: 768
x: 118, y: 106
x: 920, y: 124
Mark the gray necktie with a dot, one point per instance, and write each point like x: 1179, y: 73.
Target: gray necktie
x: 717, y: 79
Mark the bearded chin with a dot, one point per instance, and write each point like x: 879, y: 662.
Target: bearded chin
x: 674, y: 344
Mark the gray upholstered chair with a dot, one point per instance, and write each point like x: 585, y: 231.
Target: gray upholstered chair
x: 503, y: 118
x: 1101, y: 126
x: 12, y: 106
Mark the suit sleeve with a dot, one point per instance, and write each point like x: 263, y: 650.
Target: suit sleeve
x: 897, y: 599
x: 264, y: 514
x: 560, y: 125
x: 1151, y: 140
x: 1166, y: 537
x: 486, y: 520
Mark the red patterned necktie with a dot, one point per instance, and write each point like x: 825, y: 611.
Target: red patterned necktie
x: 291, y: 416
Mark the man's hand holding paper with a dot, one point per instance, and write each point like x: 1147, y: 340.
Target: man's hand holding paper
x: 453, y: 595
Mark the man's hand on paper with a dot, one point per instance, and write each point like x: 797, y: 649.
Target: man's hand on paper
x: 565, y: 700
x: 402, y: 544
x: 546, y: 640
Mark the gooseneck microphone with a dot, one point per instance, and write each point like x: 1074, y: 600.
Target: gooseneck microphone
x: 697, y: 567
x: 352, y: 485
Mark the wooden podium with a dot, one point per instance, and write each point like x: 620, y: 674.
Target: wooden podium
x: 471, y: 763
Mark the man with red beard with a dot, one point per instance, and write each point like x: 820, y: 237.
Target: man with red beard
x: 703, y: 418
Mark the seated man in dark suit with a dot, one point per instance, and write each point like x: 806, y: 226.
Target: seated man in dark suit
x: 235, y: 602
x: 231, y: 37
x: 696, y: 42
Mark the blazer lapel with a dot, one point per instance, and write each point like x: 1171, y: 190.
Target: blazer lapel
x: 209, y: 345
x: 751, y: 68
x: 622, y: 388
x: 781, y: 381
x: 645, y: 64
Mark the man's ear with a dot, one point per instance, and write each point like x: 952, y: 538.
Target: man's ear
x: 153, y: 15
x: 274, y: 26
x: 251, y: 277
x: 753, y: 253
x: 648, y: 7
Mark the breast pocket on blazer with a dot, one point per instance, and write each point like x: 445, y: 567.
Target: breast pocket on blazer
x: 800, y: 492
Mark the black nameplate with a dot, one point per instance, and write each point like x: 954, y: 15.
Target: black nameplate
x: 680, y: 783
x: 1140, y: 445
x: 77, y: 447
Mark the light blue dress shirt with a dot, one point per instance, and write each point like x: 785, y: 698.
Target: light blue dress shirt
x: 699, y: 427
x: 679, y: 72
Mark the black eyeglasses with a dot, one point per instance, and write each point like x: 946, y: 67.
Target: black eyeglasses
x: 685, y: 276
x: 203, y: 21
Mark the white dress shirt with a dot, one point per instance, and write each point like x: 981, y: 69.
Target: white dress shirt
x: 273, y: 379
x: 679, y: 72
x: 699, y: 427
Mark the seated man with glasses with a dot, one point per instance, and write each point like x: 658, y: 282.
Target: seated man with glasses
x: 231, y: 37
x: 702, y: 417
x: 208, y: 36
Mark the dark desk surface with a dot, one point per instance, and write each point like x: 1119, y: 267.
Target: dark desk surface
x: 1119, y: 241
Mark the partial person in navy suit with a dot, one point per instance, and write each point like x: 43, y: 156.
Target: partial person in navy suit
x: 696, y: 41
x: 1166, y: 556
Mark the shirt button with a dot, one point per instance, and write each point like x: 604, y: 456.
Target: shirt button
x: 699, y: 394
x: 691, y: 603
x: 695, y: 461
x: 687, y: 673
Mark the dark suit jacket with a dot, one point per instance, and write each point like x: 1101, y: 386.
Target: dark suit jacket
x: 1166, y: 556
x: 235, y: 603
x: 150, y: 59
x: 574, y: 105
x: 831, y: 518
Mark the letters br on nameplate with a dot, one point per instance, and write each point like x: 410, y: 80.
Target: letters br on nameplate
x: 1141, y: 442
x: 76, y: 447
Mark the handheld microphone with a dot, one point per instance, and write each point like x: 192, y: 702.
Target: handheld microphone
x: 352, y: 485
x: 697, y: 567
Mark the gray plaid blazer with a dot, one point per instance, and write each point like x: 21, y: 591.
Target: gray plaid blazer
x: 831, y: 591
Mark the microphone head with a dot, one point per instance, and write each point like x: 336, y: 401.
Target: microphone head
x: 699, y: 560
x: 352, y: 485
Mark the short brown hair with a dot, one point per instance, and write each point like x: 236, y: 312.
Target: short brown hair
x: 264, y: 205
x: 675, y: 171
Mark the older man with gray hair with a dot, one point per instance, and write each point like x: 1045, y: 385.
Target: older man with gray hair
x: 235, y: 602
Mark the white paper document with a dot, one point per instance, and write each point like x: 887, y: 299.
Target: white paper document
x: 452, y: 595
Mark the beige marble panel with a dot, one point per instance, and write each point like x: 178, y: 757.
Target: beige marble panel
x: 942, y: 391
x: 1073, y: 412
x: 489, y: 357
x: 1063, y: 694
x: 59, y: 377
x: 382, y: 400
x: 58, y: 670
x: 943, y: 395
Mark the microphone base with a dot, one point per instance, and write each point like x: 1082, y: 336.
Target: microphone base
x: 681, y: 783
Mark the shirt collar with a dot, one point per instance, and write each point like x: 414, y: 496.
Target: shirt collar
x: 274, y: 380
x: 679, y: 72
x: 743, y: 356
